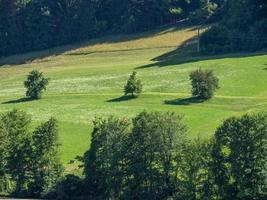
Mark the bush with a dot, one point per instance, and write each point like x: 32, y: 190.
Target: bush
x: 35, y: 84
x: 204, y: 83
x: 133, y: 85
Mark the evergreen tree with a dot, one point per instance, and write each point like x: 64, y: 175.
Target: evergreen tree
x: 18, y: 148
x: 133, y: 85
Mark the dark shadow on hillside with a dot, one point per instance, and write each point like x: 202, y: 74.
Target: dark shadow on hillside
x: 39, y: 55
x: 187, y: 53
x: 122, y: 98
x: 21, y: 100
x: 184, y: 102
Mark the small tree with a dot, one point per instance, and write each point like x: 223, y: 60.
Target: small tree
x: 204, y: 83
x: 35, y: 84
x: 133, y: 85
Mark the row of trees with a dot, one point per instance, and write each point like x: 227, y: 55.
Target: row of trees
x: 29, y: 160
x: 204, y: 84
x: 38, y: 24
x: 150, y: 157
x: 243, y: 27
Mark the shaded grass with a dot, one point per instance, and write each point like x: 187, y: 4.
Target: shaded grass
x: 184, y: 101
x: 20, y: 100
x: 122, y: 98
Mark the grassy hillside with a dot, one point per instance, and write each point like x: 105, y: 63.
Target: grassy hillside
x: 87, y: 81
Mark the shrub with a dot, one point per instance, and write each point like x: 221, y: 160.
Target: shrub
x: 204, y: 83
x: 35, y: 84
x: 133, y: 85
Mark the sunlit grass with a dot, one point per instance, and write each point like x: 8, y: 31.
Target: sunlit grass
x: 85, y: 80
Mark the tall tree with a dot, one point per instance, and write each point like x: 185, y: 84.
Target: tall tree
x: 47, y: 168
x: 153, y: 146
x: 16, y: 124
x: 240, y: 157
x: 105, y: 161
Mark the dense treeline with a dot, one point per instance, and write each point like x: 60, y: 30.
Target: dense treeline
x: 243, y: 27
x: 148, y: 157
x: 29, y: 161
x: 38, y: 24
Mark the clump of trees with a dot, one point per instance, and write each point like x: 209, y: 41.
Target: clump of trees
x: 204, y: 83
x: 243, y: 28
x: 133, y: 85
x: 29, y: 161
x: 239, y: 155
x: 150, y: 158
x: 35, y: 84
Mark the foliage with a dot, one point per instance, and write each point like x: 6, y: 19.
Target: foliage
x: 105, y: 162
x: 28, y: 25
x: 69, y: 187
x: 35, y: 84
x: 154, y: 145
x: 133, y: 85
x: 29, y: 162
x: 46, y: 168
x: 243, y: 27
x: 204, y: 83
x: 239, y: 156
x: 134, y: 165
x: 195, y: 171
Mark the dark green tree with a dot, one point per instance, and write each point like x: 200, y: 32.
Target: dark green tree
x: 5, y: 178
x: 35, y: 84
x: 153, y: 149
x: 239, y: 156
x: 29, y: 162
x: 195, y: 179
x: 19, y: 148
x: 105, y: 161
x: 133, y: 85
x: 204, y: 83
x: 47, y: 168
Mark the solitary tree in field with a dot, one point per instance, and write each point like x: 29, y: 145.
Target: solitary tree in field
x: 204, y: 83
x: 35, y: 84
x: 133, y: 85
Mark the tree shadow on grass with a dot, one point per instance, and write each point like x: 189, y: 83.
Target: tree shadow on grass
x: 184, y: 101
x: 187, y: 53
x: 21, y: 100
x: 40, y: 55
x: 122, y: 98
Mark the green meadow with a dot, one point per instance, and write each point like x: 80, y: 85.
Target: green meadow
x: 86, y: 81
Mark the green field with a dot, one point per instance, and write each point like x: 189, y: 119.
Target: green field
x: 87, y: 80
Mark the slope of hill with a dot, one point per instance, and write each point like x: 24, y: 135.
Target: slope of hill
x: 87, y: 81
